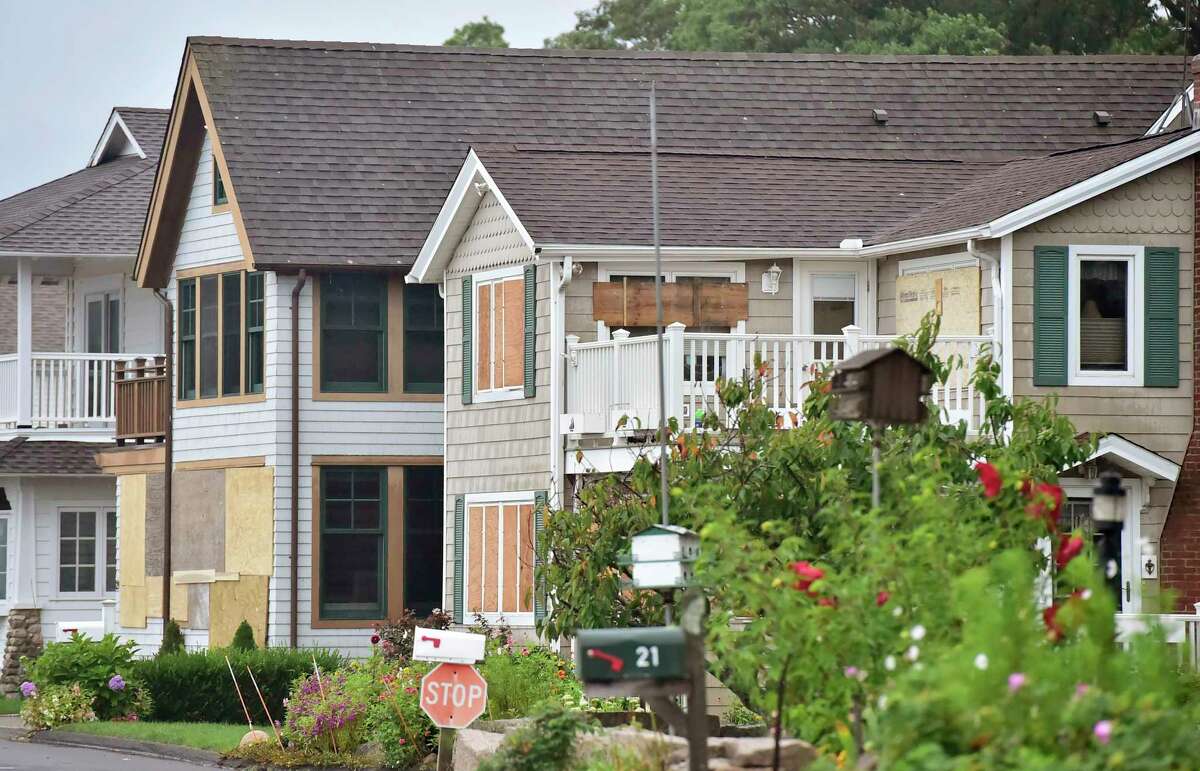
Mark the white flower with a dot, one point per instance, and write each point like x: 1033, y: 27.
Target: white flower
x: 1086, y: 594
x: 981, y: 661
x: 890, y: 663
x: 883, y: 702
x: 917, y: 633
x: 897, y: 611
x: 913, y: 653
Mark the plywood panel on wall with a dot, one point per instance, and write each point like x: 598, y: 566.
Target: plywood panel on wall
x: 631, y: 303
x: 179, y: 600
x: 231, y: 602
x: 249, y: 536
x: 954, y: 293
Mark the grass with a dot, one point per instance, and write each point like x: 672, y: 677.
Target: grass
x: 217, y: 737
x: 10, y: 706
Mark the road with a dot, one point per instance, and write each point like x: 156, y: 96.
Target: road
x: 43, y: 757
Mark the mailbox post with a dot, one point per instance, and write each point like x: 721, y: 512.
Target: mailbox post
x: 453, y: 648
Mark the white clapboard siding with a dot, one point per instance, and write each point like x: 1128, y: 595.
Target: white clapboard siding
x: 206, y: 238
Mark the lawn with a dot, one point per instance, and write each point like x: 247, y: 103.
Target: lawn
x: 10, y: 706
x: 218, y: 737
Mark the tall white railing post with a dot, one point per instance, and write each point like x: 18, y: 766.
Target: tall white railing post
x: 24, y: 342
x: 852, y: 334
x: 618, y: 337
x: 673, y: 370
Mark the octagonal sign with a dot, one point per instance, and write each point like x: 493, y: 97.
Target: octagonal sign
x: 453, y: 695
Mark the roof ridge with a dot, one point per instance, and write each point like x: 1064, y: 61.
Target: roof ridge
x: 127, y: 108
x: 726, y: 153
x: 659, y: 54
x: 95, y: 189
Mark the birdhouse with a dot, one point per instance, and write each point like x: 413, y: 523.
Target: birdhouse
x: 663, y: 557
x: 883, y: 386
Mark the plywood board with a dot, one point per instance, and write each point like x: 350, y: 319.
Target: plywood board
x: 131, y: 524
x: 249, y: 520
x: 700, y: 302
x: 954, y: 293
x: 483, y: 341
x: 525, y: 592
x: 131, y: 612
x: 231, y: 602
x: 491, y: 551
x: 475, y: 559
x: 509, y: 555
x: 179, y: 600
x: 513, y: 347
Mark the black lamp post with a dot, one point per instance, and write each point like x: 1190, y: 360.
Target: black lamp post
x: 1108, y: 517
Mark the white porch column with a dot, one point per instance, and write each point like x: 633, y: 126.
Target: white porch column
x: 24, y: 342
x: 24, y: 554
x: 852, y: 334
x: 673, y: 369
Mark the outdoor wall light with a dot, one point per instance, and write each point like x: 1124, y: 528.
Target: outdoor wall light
x: 770, y: 279
x: 1108, y: 500
x: 1108, y: 516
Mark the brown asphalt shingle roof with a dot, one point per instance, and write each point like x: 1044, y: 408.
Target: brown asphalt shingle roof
x: 22, y: 456
x: 98, y: 210
x: 343, y: 153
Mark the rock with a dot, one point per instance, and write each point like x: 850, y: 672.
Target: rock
x: 793, y: 753
x: 472, y: 746
x: 370, y: 752
x: 254, y: 737
x: 646, y: 744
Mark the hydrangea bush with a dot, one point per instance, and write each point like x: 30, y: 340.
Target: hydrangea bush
x: 103, y: 668
x: 55, y: 705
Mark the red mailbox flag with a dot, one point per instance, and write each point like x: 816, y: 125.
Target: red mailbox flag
x: 453, y: 695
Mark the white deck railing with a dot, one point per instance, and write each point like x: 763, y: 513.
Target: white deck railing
x: 1179, y: 629
x: 617, y: 379
x: 69, y: 390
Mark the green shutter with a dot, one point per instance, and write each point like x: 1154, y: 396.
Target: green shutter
x: 530, y: 330
x: 468, y: 322
x: 1162, y: 317
x: 1050, y: 315
x: 460, y: 529
x: 539, y: 521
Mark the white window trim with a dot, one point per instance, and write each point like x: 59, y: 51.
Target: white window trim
x: 484, y: 499
x: 804, y: 270
x: 1135, y: 337
x: 101, y: 511
x: 510, y: 393
x: 9, y: 583
x: 936, y: 263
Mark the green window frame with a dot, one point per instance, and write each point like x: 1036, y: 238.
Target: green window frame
x: 187, y: 339
x: 424, y: 359
x: 354, y: 513
x: 255, y: 326
x: 354, y: 319
x: 220, y: 195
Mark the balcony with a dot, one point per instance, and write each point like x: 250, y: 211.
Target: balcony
x: 614, y: 382
x: 64, y: 393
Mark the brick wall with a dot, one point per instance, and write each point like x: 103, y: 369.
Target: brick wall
x: 49, y: 316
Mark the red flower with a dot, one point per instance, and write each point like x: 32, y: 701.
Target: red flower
x: 882, y: 598
x: 1046, y: 504
x: 374, y: 639
x: 1050, y: 618
x: 828, y: 602
x: 989, y: 477
x: 809, y: 574
x: 1069, y: 547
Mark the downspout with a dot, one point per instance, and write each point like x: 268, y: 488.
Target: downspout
x: 997, y: 296
x: 168, y: 460
x: 294, y: 595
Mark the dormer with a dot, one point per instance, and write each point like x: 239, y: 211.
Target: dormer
x: 117, y: 141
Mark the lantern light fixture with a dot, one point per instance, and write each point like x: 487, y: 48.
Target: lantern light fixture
x: 770, y: 279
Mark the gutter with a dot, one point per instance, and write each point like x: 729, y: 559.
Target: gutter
x: 294, y: 591
x: 998, y: 319
x: 168, y: 453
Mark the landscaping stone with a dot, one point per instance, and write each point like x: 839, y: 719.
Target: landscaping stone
x: 472, y: 746
x: 254, y: 737
x: 24, y: 638
x: 760, y: 752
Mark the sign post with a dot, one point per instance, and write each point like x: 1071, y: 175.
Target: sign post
x: 453, y: 694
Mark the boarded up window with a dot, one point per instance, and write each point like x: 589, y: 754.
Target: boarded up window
x: 499, y: 558
x: 500, y: 334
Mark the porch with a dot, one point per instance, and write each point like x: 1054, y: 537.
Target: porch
x: 612, y: 385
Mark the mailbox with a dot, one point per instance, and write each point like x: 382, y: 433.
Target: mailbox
x: 662, y: 557
x: 444, y: 645
x: 616, y: 655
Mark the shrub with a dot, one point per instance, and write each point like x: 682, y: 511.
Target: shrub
x: 243, y: 638
x: 55, y: 705
x: 546, y: 744
x: 395, y: 637
x: 395, y: 719
x: 172, y: 641
x: 102, y: 668
x: 196, y: 687
x: 327, y: 712
x: 519, y: 677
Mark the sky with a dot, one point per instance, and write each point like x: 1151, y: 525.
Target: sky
x: 64, y: 64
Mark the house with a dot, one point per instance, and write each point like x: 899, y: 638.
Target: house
x: 70, y: 317
x: 374, y: 216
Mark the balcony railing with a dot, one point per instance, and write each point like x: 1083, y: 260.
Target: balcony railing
x: 143, y: 399
x: 615, y: 381
x: 1181, y: 630
x: 67, y: 391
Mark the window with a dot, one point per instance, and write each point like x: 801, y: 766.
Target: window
x: 353, y: 541
x: 379, y: 542
x: 110, y: 551
x: 833, y: 296
x: 103, y: 323
x: 220, y: 197
x: 499, y: 333
x: 221, y: 326
x: 354, y: 332
x: 77, y: 556
x: 1104, y: 306
x: 499, y: 557
x: 424, y: 362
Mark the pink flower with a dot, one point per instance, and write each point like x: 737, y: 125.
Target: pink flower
x: 1046, y: 504
x: 374, y: 639
x: 1103, y: 731
x: 989, y: 477
x: 1016, y: 681
x: 808, y: 574
x: 882, y: 598
x: 1081, y: 689
x: 524, y: 651
x: 1068, y: 549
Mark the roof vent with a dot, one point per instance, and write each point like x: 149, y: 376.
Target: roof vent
x: 880, y: 116
x: 1102, y: 117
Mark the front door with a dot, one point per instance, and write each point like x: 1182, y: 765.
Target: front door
x: 829, y: 297
x: 1125, y: 576
x: 103, y: 335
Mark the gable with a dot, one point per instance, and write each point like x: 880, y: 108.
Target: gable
x: 1157, y: 203
x: 491, y: 240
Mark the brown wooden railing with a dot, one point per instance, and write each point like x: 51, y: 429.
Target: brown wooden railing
x: 143, y: 396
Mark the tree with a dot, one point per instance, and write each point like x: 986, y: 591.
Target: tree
x: 172, y: 641
x: 243, y: 637
x: 484, y: 33
x: 901, y: 31
x: 640, y: 24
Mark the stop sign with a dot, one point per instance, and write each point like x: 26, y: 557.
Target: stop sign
x: 453, y: 695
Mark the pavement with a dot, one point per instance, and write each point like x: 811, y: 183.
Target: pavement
x: 27, y: 756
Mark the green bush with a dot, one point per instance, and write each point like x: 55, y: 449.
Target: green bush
x: 103, y: 668
x: 519, y: 677
x: 56, y: 705
x: 395, y: 718
x: 196, y: 687
x: 243, y: 638
x: 546, y: 744
x: 172, y: 641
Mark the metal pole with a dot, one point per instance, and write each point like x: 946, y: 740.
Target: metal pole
x: 664, y: 457
x: 445, y: 753
x: 692, y: 619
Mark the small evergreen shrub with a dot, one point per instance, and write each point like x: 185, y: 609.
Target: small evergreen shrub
x: 243, y: 638
x: 102, y: 668
x: 546, y: 744
x: 172, y: 641
x: 196, y: 687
